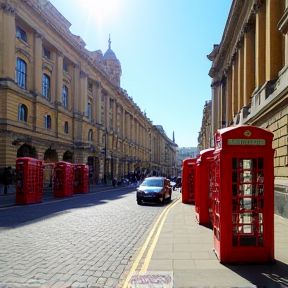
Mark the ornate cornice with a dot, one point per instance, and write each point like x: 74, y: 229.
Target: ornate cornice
x: 7, y: 8
x: 60, y: 54
x: 83, y: 74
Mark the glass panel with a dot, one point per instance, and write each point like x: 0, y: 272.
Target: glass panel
x: 247, y: 229
x: 247, y: 164
x: 260, y: 163
x: 234, y: 163
x: 247, y: 176
x: 241, y: 190
x: 246, y: 203
x: 234, y: 176
x: 234, y: 189
x: 260, y: 215
x: 247, y: 188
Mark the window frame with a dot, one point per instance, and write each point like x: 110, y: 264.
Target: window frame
x: 64, y: 66
x: 65, y: 96
x: 90, y: 135
x: 48, y: 121
x: 21, y: 73
x: 21, y: 33
x: 66, y: 127
x: 46, y: 86
x: 89, y: 110
x: 46, y: 53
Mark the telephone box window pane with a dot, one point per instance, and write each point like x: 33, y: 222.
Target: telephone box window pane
x: 247, y: 188
x: 247, y: 164
x: 246, y: 176
x: 234, y: 189
x: 234, y: 176
x: 234, y: 163
x: 260, y: 163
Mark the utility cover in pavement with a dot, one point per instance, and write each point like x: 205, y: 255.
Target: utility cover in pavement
x: 152, y: 280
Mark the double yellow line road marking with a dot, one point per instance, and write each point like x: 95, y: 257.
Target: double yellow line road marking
x: 152, y: 240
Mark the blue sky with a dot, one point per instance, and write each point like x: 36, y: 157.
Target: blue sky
x: 162, y: 46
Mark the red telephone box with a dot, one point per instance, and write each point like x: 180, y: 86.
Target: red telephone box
x: 81, y: 173
x: 188, y: 180
x: 63, y: 179
x: 202, y: 186
x: 242, y: 188
x: 29, y: 180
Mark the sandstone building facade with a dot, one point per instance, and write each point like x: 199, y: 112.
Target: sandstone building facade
x: 250, y: 76
x: 59, y: 101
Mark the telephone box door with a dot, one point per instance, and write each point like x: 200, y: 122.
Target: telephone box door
x: 27, y: 177
x: 202, y: 186
x: 63, y: 179
x: 81, y: 178
x: 188, y: 180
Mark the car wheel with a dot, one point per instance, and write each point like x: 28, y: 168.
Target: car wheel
x: 139, y: 202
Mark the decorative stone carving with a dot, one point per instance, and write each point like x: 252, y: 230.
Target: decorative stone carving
x: 83, y: 74
x: 7, y: 8
x: 60, y: 54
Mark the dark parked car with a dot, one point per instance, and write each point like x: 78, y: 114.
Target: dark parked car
x: 154, y: 190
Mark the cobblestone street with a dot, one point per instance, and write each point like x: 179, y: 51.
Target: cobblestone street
x: 83, y: 241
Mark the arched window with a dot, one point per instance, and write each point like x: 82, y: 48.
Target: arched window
x: 21, y: 34
x: 47, y: 121
x: 22, y: 112
x: 46, y: 86
x: 21, y: 72
x: 65, y: 96
x: 90, y: 135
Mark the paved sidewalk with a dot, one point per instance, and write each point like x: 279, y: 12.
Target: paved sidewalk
x: 185, y: 248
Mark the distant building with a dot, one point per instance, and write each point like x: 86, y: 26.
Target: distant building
x: 186, y: 152
x: 61, y: 102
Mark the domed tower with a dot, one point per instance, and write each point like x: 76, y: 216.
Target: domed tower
x: 112, y: 65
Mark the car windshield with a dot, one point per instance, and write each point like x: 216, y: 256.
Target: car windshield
x: 153, y: 182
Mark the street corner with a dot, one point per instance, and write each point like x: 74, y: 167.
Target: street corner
x: 155, y: 279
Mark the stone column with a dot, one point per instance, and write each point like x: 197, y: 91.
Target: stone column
x: 215, y: 108
x: 273, y: 39
x: 59, y: 77
x: 83, y: 92
x: 260, y: 46
x: 106, y: 110
x: 97, y: 101
x: 114, y: 115
x: 123, y: 123
x: 7, y: 40
x: 235, y: 86
x: 37, y: 63
x: 240, y: 79
x: 283, y: 27
x: 76, y: 88
x: 249, y: 64
x: 229, y: 107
